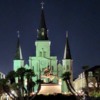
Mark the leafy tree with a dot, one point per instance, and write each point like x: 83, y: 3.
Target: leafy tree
x: 22, y: 74
x: 11, y: 76
x: 97, y: 77
x: 85, y: 68
x: 1, y: 87
x: 5, y: 88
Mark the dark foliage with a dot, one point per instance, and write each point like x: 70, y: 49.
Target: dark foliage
x: 55, y: 97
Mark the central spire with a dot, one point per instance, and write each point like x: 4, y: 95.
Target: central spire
x: 42, y: 30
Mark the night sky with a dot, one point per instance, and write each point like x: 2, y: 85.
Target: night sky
x: 81, y: 18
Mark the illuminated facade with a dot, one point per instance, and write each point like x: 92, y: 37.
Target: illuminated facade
x: 45, y: 66
x: 93, y: 79
x: 80, y: 82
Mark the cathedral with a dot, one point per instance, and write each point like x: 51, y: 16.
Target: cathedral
x: 45, y: 65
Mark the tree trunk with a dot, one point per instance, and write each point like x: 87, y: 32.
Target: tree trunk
x: 69, y: 87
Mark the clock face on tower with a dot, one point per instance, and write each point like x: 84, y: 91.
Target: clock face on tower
x: 42, y: 33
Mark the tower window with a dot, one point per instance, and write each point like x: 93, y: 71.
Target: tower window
x: 67, y: 67
x: 44, y: 53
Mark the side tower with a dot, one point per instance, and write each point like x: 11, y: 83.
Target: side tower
x: 18, y: 59
x: 67, y: 63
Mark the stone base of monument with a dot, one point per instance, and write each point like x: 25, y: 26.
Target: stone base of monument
x: 50, y: 89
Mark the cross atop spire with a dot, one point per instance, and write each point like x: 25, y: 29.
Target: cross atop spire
x: 42, y: 4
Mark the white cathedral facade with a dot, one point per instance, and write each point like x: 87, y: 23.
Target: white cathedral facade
x: 45, y: 65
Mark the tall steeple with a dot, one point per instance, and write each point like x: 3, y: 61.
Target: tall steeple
x: 67, y: 54
x: 42, y: 30
x: 18, y: 55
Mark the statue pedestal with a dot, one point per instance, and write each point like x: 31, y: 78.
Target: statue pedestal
x: 50, y: 89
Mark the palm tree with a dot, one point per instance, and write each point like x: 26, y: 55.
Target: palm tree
x: 30, y: 84
x: 39, y: 81
x: 5, y: 86
x: 97, y: 77
x: 66, y: 78
x: 11, y: 76
x: 1, y: 88
x: 85, y: 68
x: 20, y: 74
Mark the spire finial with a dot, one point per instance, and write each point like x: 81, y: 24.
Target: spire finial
x: 18, y: 33
x: 42, y: 4
x: 67, y: 34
